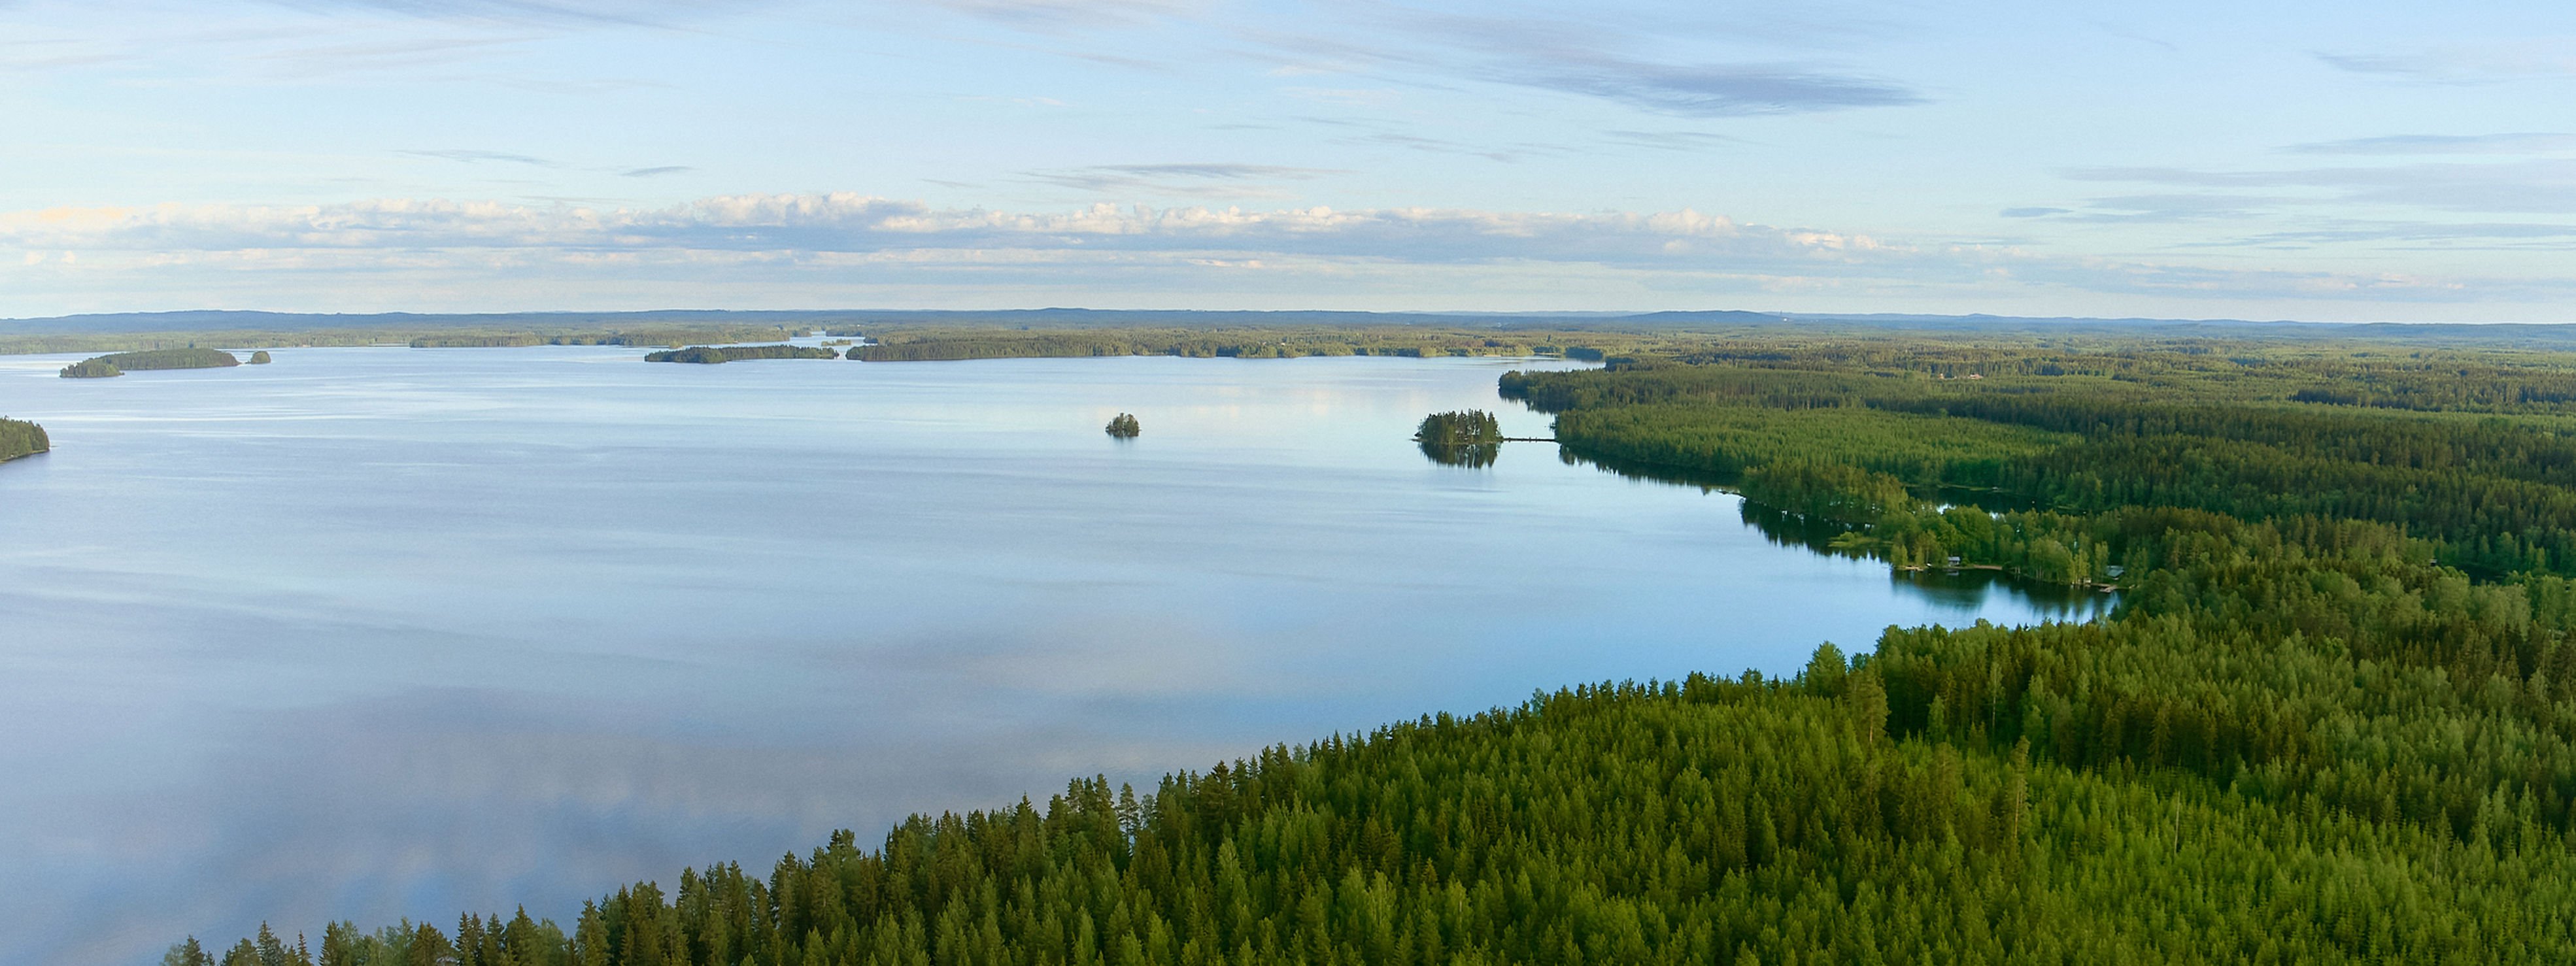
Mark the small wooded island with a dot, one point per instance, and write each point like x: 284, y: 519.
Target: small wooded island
x: 19, y: 437
x: 1124, y: 426
x: 710, y: 355
x: 259, y: 358
x: 1474, y: 427
x: 1472, y: 438
x: 120, y: 363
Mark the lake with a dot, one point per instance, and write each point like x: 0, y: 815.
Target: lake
x: 369, y: 633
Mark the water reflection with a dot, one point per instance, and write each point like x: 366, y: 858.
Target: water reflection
x: 1471, y: 456
x: 1964, y: 588
x: 371, y: 633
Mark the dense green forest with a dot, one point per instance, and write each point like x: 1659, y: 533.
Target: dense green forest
x: 419, y: 335
x: 21, y: 438
x: 1471, y: 438
x: 935, y: 344
x: 2331, y: 718
x: 1473, y: 427
x: 737, y: 353
x: 488, y: 339
x: 120, y: 363
x: 187, y: 358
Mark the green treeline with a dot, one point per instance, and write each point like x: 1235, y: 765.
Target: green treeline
x: 1470, y: 438
x: 483, y: 339
x: 738, y: 353
x: 190, y: 358
x: 1727, y: 440
x: 1473, y: 427
x: 120, y: 363
x: 2332, y: 717
x: 21, y: 438
x: 2111, y: 793
x: 934, y: 344
x: 498, y: 340
x: 2153, y: 426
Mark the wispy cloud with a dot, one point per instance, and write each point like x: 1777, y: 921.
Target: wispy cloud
x: 2532, y: 142
x: 644, y: 13
x: 823, y: 236
x: 1211, y: 180
x: 1064, y: 15
x: 2488, y: 236
x: 2464, y: 63
x: 2531, y: 186
x: 1713, y: 90
x: 469, y: 155
x: 1672, y: 140
x: 655, y: 172
x: 405, y: 53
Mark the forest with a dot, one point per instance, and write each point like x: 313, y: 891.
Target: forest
x: 120, y: 363
x: 21, y: 438
x: 924, y: 344
x: 2332, y: 716
x: 1473, y: 427
x: 736, y: 353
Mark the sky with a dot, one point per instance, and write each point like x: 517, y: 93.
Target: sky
x: 2354, y: 161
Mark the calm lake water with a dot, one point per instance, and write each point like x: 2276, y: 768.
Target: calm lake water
x: 370, y: 633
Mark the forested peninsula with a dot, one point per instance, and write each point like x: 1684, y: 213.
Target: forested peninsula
x: 736, y: 353
x: 21, y: 438
x: 117, y: 364
x: 1263, y: 342
x: 2331, y: 718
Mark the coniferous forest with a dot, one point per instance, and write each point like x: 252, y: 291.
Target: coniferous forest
x: 2331, y: 718
x: 1474, y: 427
x: 21, y: 438
x: 736, y: 353
x: 120, y: 363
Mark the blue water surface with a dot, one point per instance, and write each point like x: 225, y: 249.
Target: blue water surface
x: 383, y: 632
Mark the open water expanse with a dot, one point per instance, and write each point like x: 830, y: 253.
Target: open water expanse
x: 370, y: 633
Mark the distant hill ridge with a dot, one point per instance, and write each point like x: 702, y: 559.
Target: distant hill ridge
x: 415, y: 322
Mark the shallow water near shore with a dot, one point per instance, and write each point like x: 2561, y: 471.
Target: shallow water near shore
x: 370, y: 633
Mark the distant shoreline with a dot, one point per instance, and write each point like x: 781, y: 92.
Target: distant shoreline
x: 110, y: 332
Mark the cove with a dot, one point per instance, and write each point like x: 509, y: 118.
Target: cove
x: 368, y: 633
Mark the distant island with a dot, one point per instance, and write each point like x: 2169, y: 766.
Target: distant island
x: 1124, y: 426
x: 1274, y: 341
x: 1473, y: 427
x: 259, y: 358
x: 1472, y: 438
x: 120, y: 363
x: 710, y: 355
x: 19, y: 437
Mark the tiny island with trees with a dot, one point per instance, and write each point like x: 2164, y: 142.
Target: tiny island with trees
x: 1124, y: 426
x: 259, y: 358
x: 1471, y: 438
x: 120, y: 363
x: 19, y: 437
x: 1474, y: 427
x: 712, y: 355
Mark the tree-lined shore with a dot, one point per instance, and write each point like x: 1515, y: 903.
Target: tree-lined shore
x: 2332, y: 716
x: 21, y: 438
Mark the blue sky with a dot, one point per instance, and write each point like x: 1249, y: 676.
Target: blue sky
x: 2356, y: 160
